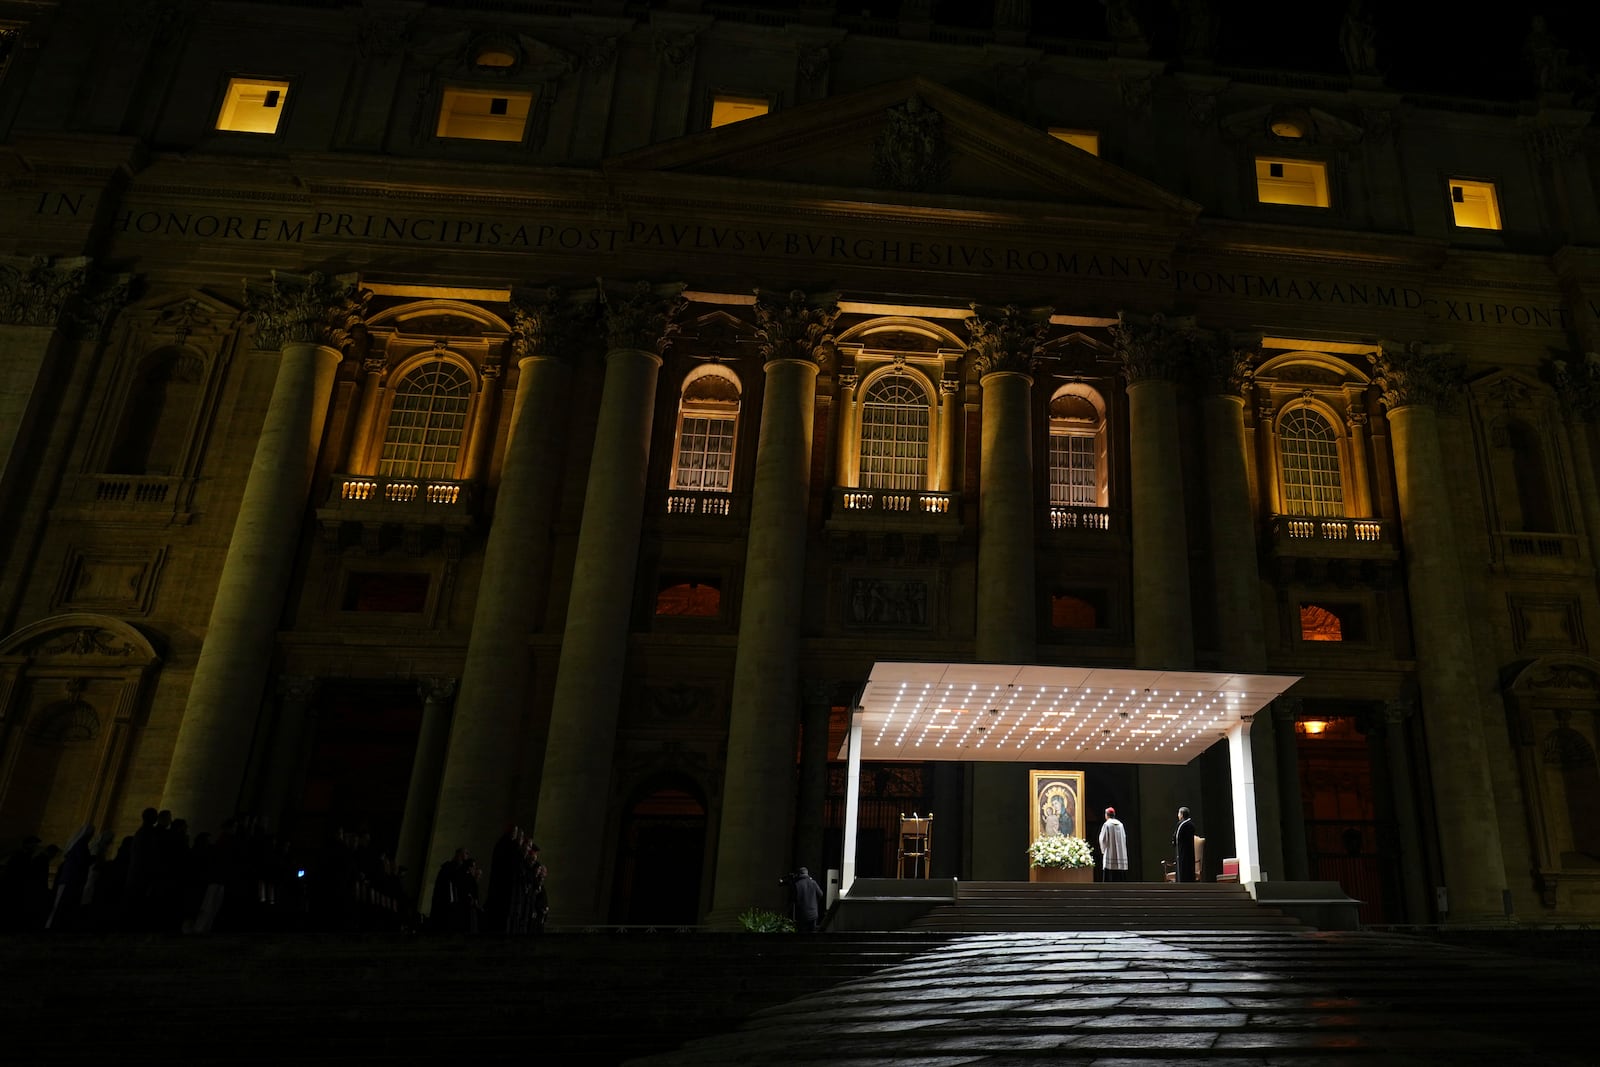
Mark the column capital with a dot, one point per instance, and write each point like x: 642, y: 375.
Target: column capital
x: 314, y: 308
x: 643, y: 317
x: 1152, y: 347
x: 949, y: 386
x: 44, y: 291
x: 1578, y: 385
x: 847, y: 379
x: 1007, y: 339
x: 546, y: 322
x: 792, y: 327
x: 1224, y: 361
x: 1356, y: 418
x: 1416, y: 373
x: 1287, y: 710
x: 1397, y: 710
x: 436, y: 689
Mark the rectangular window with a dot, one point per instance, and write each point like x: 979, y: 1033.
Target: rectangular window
x: 1073, y: 478
x: 484, y: 114
x: 252, y: 105
x: 1292, y: 181
x: 705, y: 454
x: 727, y: 108
x: 391, y: 593
x: 1474, y: 204
x: 1086, y: 140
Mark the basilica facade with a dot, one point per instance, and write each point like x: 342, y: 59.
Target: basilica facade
x: 437, y: 417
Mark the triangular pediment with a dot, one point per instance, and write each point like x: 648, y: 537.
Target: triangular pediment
x: 905, y: 142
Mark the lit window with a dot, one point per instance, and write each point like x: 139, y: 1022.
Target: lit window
x: 495, y: 57
x: 252, y: 105
x: 708, y: 414
x: 1475, y: 205
x: 426, y: 423
x: 1077, y: 449
x: 1084, y: 140
x: 1288, y: 129
x: 694, y: 599
x: 1291, y: 181
x: 894, y: 435
x: 726, y: 108
x: 1319, y: 624
x: 484, y: 114
x: 1309, y: 453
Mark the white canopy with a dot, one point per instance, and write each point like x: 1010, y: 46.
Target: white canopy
x: 1020, y: 713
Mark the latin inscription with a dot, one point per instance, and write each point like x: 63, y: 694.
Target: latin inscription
x: 847, y: 250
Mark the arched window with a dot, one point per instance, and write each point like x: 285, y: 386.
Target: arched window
x: 427, y: 422
x: 1077, y: 450
x: 1568, y: 751
x: 1537, y: 513
x: 894, y: 434
x: 155, y: 424
x: 708, y: 415
x: 1309, y: 454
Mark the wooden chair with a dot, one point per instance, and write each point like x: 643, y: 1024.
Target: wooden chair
x: 916, y: 844
x: 1171, y: 866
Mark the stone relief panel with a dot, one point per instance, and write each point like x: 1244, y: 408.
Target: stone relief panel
x: 1546, y: 624
x: 889, y: 603
x: 110, y: 579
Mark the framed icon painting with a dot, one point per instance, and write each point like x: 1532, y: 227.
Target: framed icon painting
x: 1057, y: 799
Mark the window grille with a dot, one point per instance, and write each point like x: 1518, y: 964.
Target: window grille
x: 705, y: 453
x: 427, y: 423
x: 894, y: 435
x: 1073, y: 477
x: 1309, y: 452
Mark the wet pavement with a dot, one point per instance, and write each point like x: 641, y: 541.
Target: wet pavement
x: 1118, y: 999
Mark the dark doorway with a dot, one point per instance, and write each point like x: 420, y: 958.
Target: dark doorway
x: 1343, y: 832
x: 660, y: 854
x: 888, y: 791
x: 359, y: 765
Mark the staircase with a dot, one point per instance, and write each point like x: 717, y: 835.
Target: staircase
x: 1003, y: 906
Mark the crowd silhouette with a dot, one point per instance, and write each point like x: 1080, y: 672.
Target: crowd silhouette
x: 247, y: 878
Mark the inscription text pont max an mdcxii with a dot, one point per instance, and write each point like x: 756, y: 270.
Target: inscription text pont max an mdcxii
x: 133, y: 223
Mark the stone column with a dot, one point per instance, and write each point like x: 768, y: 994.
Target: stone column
x: 1415, y: 381
x: 816, y: 710
x: 1296, y: 857
x: 949, y: 435
x: 474, y: 791
x: 307, y: 319
x: 1357, y: 421
x: 364, y: 451
x: 288, y: 747
x: 1267, y: 452
x: 575, y: 788
x: 845, y: 459
x: 483, y: 423
x: 1151, y: 351
x: 1578, y: 386
x: 422, y: 792
x: 1005, y: 352
x: 1413, y: 871
x: 757, y: 790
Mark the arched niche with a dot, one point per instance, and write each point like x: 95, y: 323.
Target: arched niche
x: 1553, y: 704
x: 71, y: 692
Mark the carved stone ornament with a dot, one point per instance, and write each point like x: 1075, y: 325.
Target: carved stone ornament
x: 38, y: 293
x: 87, y: 642
x: 98, y: 304
x: 1566, y: 676
x: 1138, y: 94
x: 910, y: 153
x: 1578, y: 385
x: 314, y: 308
x: 644, y: 317
x: 547, y: 323
x: 792, y: 328
x: 1007, y: 339
x: 675, y: 50
x: 1416, y: 373
x: 1153, y: 347
x: 597, y: 52
x: 1358, y: 41
x: 382, y: 35
x: 813, y: 63
x: 436, y: 689
x: 1225, y: 362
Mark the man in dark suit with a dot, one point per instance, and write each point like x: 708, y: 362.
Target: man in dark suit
x: 1183, y: 847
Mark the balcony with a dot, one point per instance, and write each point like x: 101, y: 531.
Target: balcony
x: 901, y: 509
x: 1309, y: 548
x: 1071, y: 517
x: 129, y: 499
x: 416, y: 513
x: 1541, y: 552
x: 699, y: 502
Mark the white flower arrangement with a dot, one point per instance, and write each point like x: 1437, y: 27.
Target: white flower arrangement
x: 1061, y: 852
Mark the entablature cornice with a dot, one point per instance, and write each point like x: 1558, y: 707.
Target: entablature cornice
x: 1313, y: 245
